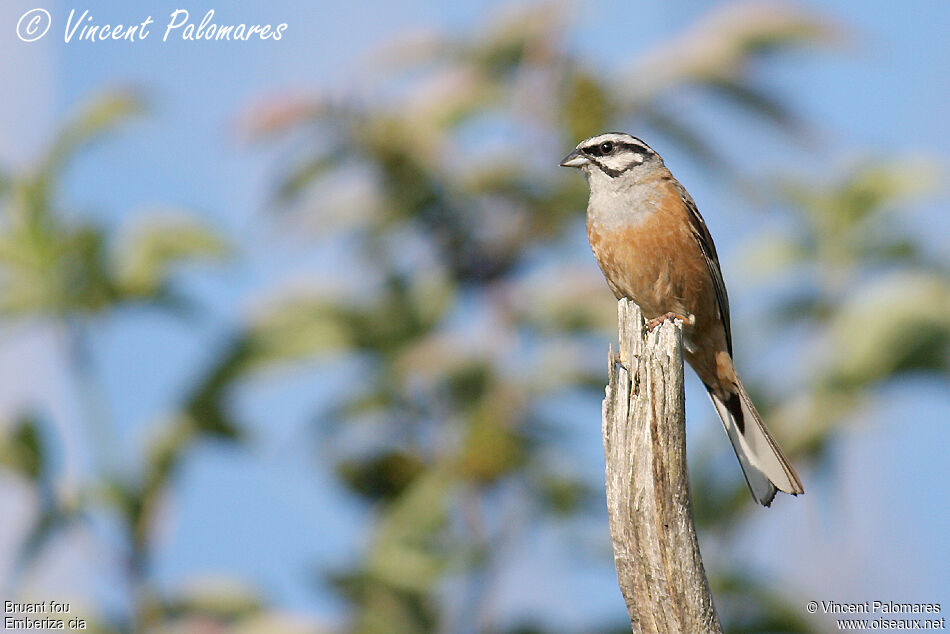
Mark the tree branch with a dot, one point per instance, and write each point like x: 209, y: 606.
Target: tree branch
x: 659, y: 566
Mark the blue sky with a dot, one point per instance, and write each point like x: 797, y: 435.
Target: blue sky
x: 882, y: 93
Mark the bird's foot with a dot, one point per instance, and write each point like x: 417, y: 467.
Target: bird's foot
x: 652, y: 324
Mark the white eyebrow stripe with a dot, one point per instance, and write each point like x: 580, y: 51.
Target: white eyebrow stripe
x: 627, y: 152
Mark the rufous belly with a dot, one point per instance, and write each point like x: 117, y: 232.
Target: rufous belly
x: 658, y: 263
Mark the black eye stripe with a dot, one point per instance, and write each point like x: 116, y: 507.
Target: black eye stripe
x: 594, y: 150
x: 635, y: 147
x: 607, y: 170
x: 637, y: 150
x: 640, y: 148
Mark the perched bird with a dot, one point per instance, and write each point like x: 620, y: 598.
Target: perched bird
x: 654, y: 248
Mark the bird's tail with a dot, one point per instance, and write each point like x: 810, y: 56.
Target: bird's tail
x: 765, y: 467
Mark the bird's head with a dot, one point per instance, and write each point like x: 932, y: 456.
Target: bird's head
x: 612, y: 155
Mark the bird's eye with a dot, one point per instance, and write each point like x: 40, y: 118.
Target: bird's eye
x: 606, y: 147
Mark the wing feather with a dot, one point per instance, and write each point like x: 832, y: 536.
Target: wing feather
x: 704, y: 238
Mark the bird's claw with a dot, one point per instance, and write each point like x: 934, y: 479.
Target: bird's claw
x: 652, y: 324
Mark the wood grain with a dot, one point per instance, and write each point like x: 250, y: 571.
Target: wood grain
x: 659, y: 567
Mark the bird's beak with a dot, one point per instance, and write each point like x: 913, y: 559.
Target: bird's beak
x: 574, y: 159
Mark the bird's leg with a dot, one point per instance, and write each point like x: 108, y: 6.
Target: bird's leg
x: 671, y: 316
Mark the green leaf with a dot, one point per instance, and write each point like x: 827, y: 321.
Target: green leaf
x: 102, y: 114
x: 588, y: 106
x: 382, y: 477
x: 224, y: 599
x: 904, y: 324
x: 491, y: 449
x: 149, y: 251
x: 297, y: 328
x: 22, y: 450
x: 298, y: 178
x: 564, y: 496
x: 770, y: 255
x: 406, y: 556
x: 51, y: 269
x: 205, y: 410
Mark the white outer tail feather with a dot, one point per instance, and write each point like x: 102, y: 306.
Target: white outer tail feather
x: 765, y: 467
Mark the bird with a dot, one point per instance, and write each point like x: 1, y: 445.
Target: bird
x: 654, y: 248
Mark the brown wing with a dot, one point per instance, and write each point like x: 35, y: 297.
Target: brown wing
x: 702, y: 235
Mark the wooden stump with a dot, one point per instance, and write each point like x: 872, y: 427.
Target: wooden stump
x: 659, y: 566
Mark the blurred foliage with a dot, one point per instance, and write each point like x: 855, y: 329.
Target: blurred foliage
x: 458, y: 236
x: 54, y: 264
x: 67, y: 273
x: 21, y: 449
x: 875, y: 300
x: 467, y: 312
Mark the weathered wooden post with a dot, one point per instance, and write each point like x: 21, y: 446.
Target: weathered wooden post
x: 659, y: 566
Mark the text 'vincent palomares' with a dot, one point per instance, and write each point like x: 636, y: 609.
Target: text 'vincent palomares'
x: 84, y: 27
